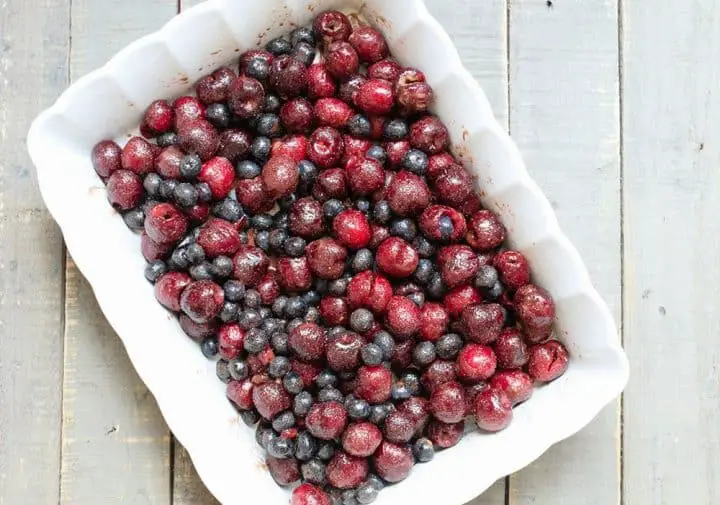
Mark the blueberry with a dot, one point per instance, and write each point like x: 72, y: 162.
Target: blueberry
x: 312, y: 315
x: 268, y: 125
x: 363, y: 260
x: 436, y: 286
x: 330, y: 394
x: 260, y: 148
x: 366, y: 493
x: 314, y: 472
x: 272, y: 102
x: 238, y: 369
x: 262, y: 240
x: 204, y: 192
x: 178, y: 260
x: 304, y: 53
x: 135, y: 219
x: 375, y: 482
x: 228, y: 312
x: 190, y: 166
x: 305, y: 446
x: 255, y: 340
x: 418, y: 298
x: 283, y: 421
x: 302, y: 34
x: 151, y: 183
x: 222, y: 371
x: 264, y: 313
x: 296, y: 307
x: 308, y: 172
x: 167, y: 139
x: 302, y: 403
x: 372, y: 354
x: 378, y: 413
x: 218, y: 114
x: 284, y: 203
x: 415, y: 161
x: 149, y: 204
x: 209, y: 347
x: 279, y: 366
x: 423, y: 354
x: 167, y: 189
x: 195, y: 253
x: 249, y: 318
x: 377, y: 152
x: 185, y: 194
x: 247, y: 169
x: 203, y: 271
x: 293, y: 383
x: 278, y: 46
x: 263, y: 435
x: 395, y: 129
x: 359, y: 126
x: 250, y: 417
x: 424, y: 247
x: 486, y: 277
x: 321, y: 286
x: 326, y: 379
x: 234, y: 290
x: 312, y: 298
x: 381, y: 212
x: 228, y: 209
x: 495, y: 291
x: 424, y: 271
x: 252, y: 299
x: 338, y: 287
x: 445, y: 227
x: 281, y: 448
x: 295, y: 246
x: 336, y: 332
x: 222, y: 266
x: 412, y: 381
x: 332, y: 208
x: 361, y: 320
x: 257, y: 68
x: 272, y: 325
x: 385, y: 342
x: 349, y: 497
x: 358, y: 409
x: 261, y: 221
x: 278, y: 306
x: 406, y: 229
x: 277, y: 239
x: 400, y: 391
x: 448, y: 346
x: 326, y: 450
x: 423, y: 450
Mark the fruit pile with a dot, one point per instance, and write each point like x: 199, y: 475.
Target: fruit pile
x: 303, y: 217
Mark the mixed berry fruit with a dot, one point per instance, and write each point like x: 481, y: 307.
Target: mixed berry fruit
x: 303, y: 217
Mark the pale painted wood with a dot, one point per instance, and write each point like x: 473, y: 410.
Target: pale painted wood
x: 672, y: 200
x: 564, y: 115
x: 31, y: 257
x: 116, y: 447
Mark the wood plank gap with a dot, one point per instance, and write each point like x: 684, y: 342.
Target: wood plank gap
x: 621, y: 169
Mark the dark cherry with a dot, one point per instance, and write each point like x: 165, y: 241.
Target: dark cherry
x: 270, y: 398
x: 187, y: 108
x: 250, y: 194
x: 536, y: 310
x: 513, y: 268
x: 250, y: 265
x: 373, y: 383
x: 307, y: 341
x: 167, y: 163
x: 124, y: 189
x: 164, y: 223
x: 348, y: 90
x: 482, y: 323
x: 445, y: 435
x: 396, y: 151
x: 369, y: 290
x: 547, y: 361
x: 218, y: 237
x: 387, y: 69
x: 345, y: 471
x: 402, y: 317
x: 510, y: 349
x: 457, y: 264
x: 241, y: 393
x: 458, y: 298
x: 408, y: 194
x: 169, y: 287
x: 279, y: 176
x: 396, y: 257
x: 202, y: 300
x: 331, y: 26
x: 197, y: 331
x: 288, y: 76
x: 429, y: 134
x: 283, y: 471
x: 485, y: 230
x: 308, y: 494
x: 434, y: 320
x: 352, y: 229
x: 151, y: 250
x: 438, y: 164
x: 343, y: 353
x: 106, y: 158
x: 219, y: 174
x: 213, y: 88
x: 418, y: 408
x: 330, y: 183
x: 231, y: 338
x: 341, y: 60
x: 364, y: 175
x: 234, y: 144
x: 413, y: 94
x: 517, y: 385
x: 137, y: 156
x: 326, y: 257
x: 158, y: 117
x: 454, y: 185
x: 294, y: 274
x: 297, y: 115
x: 326, y: 421
x: 393, y: 462
x: 198, y: 137
x: 475, y: 363
x: 361, y: 439
x: 369, y: 44
x: 332, y: 112
x: 290, y: 146
x: 492, y: 409
x: 246, y: 97
x: 399, y: 427
x: 375, y: 97
x: 325, y: 147
x: 320, y: 82
x: 334, y: 311
x: 306, y: 218
x: 442, y: 223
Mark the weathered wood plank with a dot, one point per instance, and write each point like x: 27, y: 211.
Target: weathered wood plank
x: 671, y: 153
x: 34, y: 45
x: 116, y: 447
x: 564, y: 110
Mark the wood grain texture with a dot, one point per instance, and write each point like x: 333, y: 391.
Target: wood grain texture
x: 564, y: 115
x: 116, y: 447
x: 478, y: 30
x: 671, y: 154
x: 34, y: 44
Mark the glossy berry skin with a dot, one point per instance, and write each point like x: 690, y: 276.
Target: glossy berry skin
x: 137, y: 156
x: 375, y: 97
x: 250, y: 265
x: 270, y: 398
x: 341, y: 60
x: 332, y: 112
x: 326, y: 421
x: 279, y: 177
x: 297, y: 115
x: 164, y: 223
x: 294, y: 274
x: 326, y: 258
x: 458, y: 298
x: 241, y: 393
x: 158, y: 117
x: 408, y: 194
x: 198, y: 137
x: 445, y: 435
x: 399, y: 427
x: 306, y: 218
x: 352, y: 229
x: 457, y: 264
x: 475, y: 363
x: 485, y: 231
x: 169, y: 287
x: 124, y: 189
x: 331, y: 26
x: 330, y: 183
x: 334, y: 311
x: 308, y: 494
x: 402, y: 317
x: 230, y: 340
x: 218, y: 237
x: 369, y: 290
x: 547, y: 361
x: 393, y: 463
x: 343, y: 353
x: 447, y: 402
x: 345, y: 471
x: 513, y: 268
x: 213, y: 88
x: 434, y: 320
x: 536, y: 310
x: 187, y: 108
x: 283, y: 471
x: 396, y: 258
x: 288, y: 76
x: 246, y: 96
x: 320, y: 82
x: 482, y: 323
x: 106, y: 158
x: 373, y: 384
x: 430, y: 135
x: 517, y: 385
x: 414, y: 95
x: 307, y: 341
x: 361, y: 439
x: 325, y: 147
x: 219, y: 174
x: 510, y: 349
x: 202, y: 300
x: 364, y: 175
x: 369, y: 44
x: 442, y: 223
x: 492, y: 410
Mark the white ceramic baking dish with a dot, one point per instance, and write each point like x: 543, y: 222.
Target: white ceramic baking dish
x: 109, y: 103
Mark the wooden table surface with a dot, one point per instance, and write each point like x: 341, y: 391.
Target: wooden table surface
x: 616, y: 108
